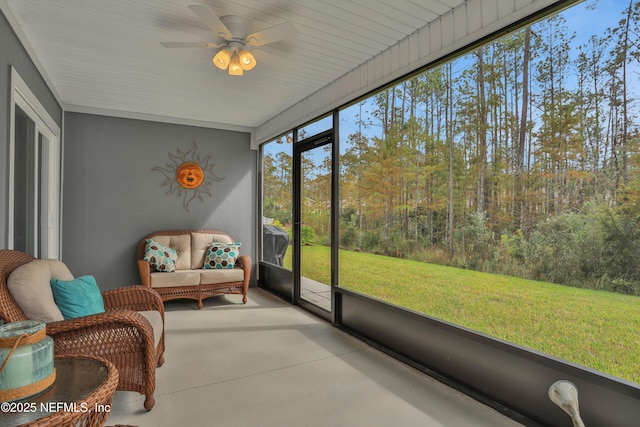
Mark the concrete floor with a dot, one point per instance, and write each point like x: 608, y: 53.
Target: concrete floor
x: 268, y: 363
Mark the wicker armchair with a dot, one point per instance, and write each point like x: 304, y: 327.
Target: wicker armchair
x: 120, y: 334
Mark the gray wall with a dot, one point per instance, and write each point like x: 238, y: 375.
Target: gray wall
x: 12, y: 53
x: 112, y: 198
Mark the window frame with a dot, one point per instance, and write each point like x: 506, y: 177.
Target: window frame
x: 22, y: 96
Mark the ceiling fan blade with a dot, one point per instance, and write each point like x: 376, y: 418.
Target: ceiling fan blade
x: 191, y: 44
x: 264, y: 55
x: 211, y: 20
x: 273, y: 34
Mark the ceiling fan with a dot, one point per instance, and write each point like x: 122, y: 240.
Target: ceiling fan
x: 235, y: 35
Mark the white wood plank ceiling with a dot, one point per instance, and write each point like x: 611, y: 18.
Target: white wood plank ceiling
x: 105, y: 55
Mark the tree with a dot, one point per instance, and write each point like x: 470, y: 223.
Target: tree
x: 522, y: 133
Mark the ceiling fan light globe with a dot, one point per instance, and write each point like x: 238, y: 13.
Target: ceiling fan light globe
x: 222, y: 59
x: 235, y: 71
x: 235, y: 68
x: 247, y: 60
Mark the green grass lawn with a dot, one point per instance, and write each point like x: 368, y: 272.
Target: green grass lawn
x: 596, y: 329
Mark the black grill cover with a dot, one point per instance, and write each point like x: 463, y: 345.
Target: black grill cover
x: 274, y: 244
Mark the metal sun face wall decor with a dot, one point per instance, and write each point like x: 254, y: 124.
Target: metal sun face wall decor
x: 188, y: 175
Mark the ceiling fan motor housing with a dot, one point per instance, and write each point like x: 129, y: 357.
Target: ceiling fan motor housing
x: 238, y: 26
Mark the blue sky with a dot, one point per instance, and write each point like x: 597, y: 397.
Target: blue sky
x: 607, y: 13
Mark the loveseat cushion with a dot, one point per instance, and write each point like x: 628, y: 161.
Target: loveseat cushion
x: 30, y: 287
x: 161, y: 257
x: 221, y: 255
x: 178, y: 278
x: 212, y: 277
x: 181, y: 243
x: 200, y: 242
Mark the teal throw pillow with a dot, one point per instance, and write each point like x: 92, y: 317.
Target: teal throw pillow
x: 78, y: 297
x: 161, y: 258
x: 222, y: 255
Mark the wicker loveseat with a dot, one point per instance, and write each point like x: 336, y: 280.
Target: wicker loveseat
x: 129, y: 333
x: 190, y: 279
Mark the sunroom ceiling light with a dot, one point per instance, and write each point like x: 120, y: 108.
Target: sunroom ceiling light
x: 247, y: 61
x: 222, y: 58
x: 235, y: 68
x: 237, y: 61
x: 236, y: 32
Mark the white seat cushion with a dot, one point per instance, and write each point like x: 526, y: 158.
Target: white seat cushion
x: 177, y: 278
x: 224, y: 275
x: 30, y: 287
x: 153, y: 316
